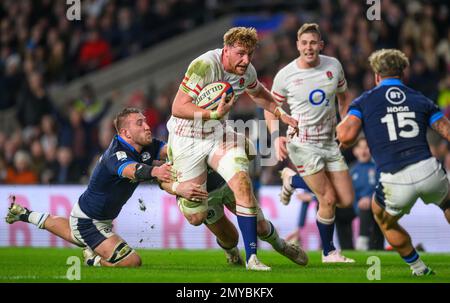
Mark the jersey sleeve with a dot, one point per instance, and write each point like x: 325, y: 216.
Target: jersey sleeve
x: 118, y: 161
x: 158, y: 146
x: 342, y: 82
x: 355, y: 108
x: 199, y: 74
x: 279, y: 92
x: 253, y: 83
x: 434, y: 112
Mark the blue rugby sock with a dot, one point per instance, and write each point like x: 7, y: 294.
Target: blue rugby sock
x: 298, y: 182
x: 246, y: 218
x: 326, y: 231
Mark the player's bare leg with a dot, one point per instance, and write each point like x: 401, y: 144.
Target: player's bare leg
x: 113, y: 252
x: 227, y: 238
x: 58, y: 226
x: 342, y: 184
x: 324, y: 190
x: 400, y: 240
x: 232, y: 164
x: 196, y: 218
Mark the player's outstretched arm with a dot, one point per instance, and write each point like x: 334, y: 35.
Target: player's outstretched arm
x: 343, y: 103
x: 442, y: 126
x: 143, y: 172
x: 264, y: 98
x: 348, y: 130
x: 279, y: 141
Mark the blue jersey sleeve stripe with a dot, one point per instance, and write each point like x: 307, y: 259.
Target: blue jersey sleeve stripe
x: 355, y: 112
x: 435, y: 117
x: 121, y: 167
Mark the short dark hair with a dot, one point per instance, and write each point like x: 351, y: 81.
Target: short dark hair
x: 120, y: 117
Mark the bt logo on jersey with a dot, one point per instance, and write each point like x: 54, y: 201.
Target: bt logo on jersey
x: 395, y: 95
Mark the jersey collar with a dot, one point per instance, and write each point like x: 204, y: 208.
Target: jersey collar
x: 391, y: 81
x: 126, y: 144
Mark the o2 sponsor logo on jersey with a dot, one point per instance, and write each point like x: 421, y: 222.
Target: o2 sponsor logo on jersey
x: 395, y: 96
x: 317, y: 97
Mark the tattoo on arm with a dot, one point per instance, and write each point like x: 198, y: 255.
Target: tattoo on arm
x: 442, y: 126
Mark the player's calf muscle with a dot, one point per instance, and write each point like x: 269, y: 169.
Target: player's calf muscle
x: 242, y: 189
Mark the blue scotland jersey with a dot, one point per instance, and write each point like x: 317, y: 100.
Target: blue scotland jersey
x: 107, y: 190
x: 395, y: 120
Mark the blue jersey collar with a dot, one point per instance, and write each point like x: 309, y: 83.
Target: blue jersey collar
x: 391, y: 81
x: 126, y: 143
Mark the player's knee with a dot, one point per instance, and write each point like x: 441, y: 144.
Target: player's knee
x: 328, y: 199
x: 197, y: 219
x: 133, y: 260
x: 124, y: 255
x: 347, y: 201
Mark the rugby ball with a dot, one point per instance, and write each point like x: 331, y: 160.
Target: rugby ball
x: 209, y: 97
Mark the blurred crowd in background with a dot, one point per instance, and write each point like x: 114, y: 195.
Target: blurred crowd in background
x: 40, y: 48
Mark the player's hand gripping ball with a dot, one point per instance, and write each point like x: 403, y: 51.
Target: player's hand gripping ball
x: 210, y: 95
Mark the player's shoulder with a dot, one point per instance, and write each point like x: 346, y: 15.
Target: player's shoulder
x: 363, y: 97
x: 209, y: 57
x: 417, y: 95
x: 328, y: 60
x: 205, y: 62
x: 287, y: 69
x: 251, y: 70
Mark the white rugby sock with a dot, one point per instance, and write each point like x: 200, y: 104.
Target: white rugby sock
x: 418, y: 266
x: 38, y: 219
x: 273, y: 238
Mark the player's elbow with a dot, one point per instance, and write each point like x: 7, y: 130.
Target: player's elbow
x: 344, y: 135
x: 176, y: 112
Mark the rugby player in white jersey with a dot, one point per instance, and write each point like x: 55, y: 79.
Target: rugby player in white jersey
x: 196, y: 134
x: 309, y: 85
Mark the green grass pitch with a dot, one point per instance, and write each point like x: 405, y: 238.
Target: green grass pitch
x: 18, y: 264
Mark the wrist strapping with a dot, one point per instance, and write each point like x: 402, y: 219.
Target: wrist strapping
x: 143, y: 172
x: 214, y: 115
x: 174, y: 187
x: 279, y: 112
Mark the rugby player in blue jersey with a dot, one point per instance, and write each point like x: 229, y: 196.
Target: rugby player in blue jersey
x: 131, y: 158
x: 395, y: 119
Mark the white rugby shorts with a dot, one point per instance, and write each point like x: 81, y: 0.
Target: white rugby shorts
x: 311, y: 158
x: 397, y: 193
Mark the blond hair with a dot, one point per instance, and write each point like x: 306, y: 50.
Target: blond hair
x: 388, y: 62
x: 309, y: 28
x: 243, y: 36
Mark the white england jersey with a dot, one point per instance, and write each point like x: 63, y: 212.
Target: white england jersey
x: 311, y: 96
x: 202, y: 71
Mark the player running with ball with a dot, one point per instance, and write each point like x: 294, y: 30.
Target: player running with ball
x: 197, y: 143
